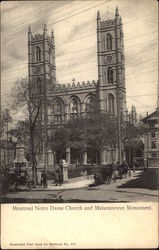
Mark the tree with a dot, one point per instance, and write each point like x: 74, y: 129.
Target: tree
x: 77, y: 135
x: 28, y: 100
x: 131, y: 138
x: 95, y: 131
x: 103, y: 129
x: 58, y: 141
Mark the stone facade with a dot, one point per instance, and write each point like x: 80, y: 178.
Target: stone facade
x: 79, y: 98
x: 151, y: 139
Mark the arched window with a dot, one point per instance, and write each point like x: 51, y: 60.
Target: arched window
x: 49, y: 55
x: 38, y: 54
x: 110, y: 75
x: 74, y: 107
x: 109, y: 41
x: 111, y: 104
x: 105, y: 43
x: 58, y: 111
x: 90, y: 104
x: 105, y: 77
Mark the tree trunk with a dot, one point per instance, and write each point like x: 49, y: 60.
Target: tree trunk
x: 129, y: 156
x: 133, y: 160
x: 33, y: 160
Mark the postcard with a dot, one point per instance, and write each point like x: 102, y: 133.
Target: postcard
x: 79, y: 131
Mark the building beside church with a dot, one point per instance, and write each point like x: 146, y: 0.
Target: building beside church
x: 67, y: 100
x: 151, y: 139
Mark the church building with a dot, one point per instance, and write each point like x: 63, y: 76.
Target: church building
x: 79, y: 98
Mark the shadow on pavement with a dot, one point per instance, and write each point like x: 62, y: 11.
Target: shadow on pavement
x: 22, y: 200
x: 147, y: 179
x: 30, y: 201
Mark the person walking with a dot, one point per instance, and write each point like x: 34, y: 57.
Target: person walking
x: 124, y: 169
x: 42, y: 178
x: 118, y: 168
x: 115, y: 172
x: 45, y: 180
x: 58, y: 176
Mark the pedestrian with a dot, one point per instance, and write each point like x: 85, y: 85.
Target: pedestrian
x: 115, y: 172
x: 27, y: 179
x: 58, y: 176
x: 124, y: 169
x: 42, y: 178
x: 129, y: 171
x: 45, y: 180
x: 142, y: 167
x: 118, y: 169
x: 56, y: 180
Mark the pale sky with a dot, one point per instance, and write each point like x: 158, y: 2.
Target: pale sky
x: 74, y: 25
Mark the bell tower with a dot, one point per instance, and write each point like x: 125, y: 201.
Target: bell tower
x: 41, y: 58
x: 41, y: 75
x: 111, y: 63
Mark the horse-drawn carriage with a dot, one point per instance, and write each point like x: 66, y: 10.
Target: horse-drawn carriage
x: 104, y: 174
x: 15, y: 180
x: 110, y: 172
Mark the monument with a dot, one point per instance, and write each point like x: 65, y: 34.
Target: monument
x: 20, y: 162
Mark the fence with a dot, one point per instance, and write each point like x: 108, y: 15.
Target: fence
x: 84, y: 170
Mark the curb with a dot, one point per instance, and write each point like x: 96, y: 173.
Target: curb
x: 124, y: 191
x: 60, y: 189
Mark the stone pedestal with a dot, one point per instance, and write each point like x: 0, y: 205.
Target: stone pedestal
x: 84, y: 157
x: 106, y: 157
x: 68, y: 153
x: 102, y: 156
x: 39, y: 172
x: 50, y: 159
x: 20, y: 160
x: 65, y: 173
x: 116, y: 155
x: 64, y: 166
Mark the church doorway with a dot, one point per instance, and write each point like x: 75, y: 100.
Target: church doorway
x: 92, y: 156
x: 76, y: 157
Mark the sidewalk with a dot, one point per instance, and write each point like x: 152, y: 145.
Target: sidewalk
x: 75, y: 183
x: 142, y: 191
x: 116, y: 187
x: 84, y: 182
x: 80, y: 190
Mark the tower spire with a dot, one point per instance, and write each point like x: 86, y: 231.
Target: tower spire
x: 29, y: 34
x: 45, y: 30
x: 117, y: 11
x: 52, y: 36
x: 98, y: 15
x: 29, y: 29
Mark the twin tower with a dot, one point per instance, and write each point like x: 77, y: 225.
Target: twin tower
x: 80, y: 97
x: 107, y: 94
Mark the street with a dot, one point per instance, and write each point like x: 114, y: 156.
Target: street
x: 113, y: 192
